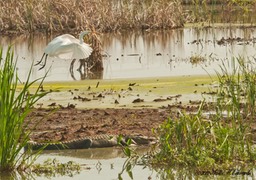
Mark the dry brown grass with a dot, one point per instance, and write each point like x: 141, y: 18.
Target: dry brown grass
x: 221, y: 11
x: 103, y: 15
x: 95, y: 63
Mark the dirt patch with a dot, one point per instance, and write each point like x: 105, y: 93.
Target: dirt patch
x: 113, y: 107
x: 71, y: 123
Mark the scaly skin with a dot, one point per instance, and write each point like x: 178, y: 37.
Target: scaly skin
x: 98, y: 141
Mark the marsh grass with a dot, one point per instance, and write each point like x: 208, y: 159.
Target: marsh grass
x: 237, y: 89
x: 62, y: 15
x: 52, y: 167
x: 221, y: 143
x: 197, y: 59
x: 115, y: 15
x: 225, y: 11
x: 95, y: 63
x: 14, y: 107
x: 206, y: 146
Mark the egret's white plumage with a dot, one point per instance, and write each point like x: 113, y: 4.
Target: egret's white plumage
x: 67, y: 45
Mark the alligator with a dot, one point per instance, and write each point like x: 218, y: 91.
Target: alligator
x: 97, y: 141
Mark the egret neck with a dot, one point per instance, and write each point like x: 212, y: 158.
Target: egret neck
x: 81, y: 36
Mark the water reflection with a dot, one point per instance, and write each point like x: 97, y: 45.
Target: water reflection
x: 167, y: 53
x: 142, y: 54
x: 109, y: 163
x: 95, y: 153
x: 99, y: 163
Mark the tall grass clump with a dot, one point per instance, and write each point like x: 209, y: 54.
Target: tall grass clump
x: 14, y: 107
x: 205, y: 146
x: 220, y: 142
x: 67, y: 16
x: 236, y: 94
x: 221, y: 11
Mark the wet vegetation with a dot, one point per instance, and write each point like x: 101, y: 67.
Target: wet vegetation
x: 14, y: 107
x: 219, y: 142
x: 197, y: 59
x: 52, y: 167
x: 16, y: 102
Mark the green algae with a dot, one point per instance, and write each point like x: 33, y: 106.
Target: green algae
x: 119, y: 93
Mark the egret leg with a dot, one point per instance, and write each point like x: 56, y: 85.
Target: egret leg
x: 44, y: 62
x: 82, y: 62
x: 72, y: 66
x: 40, y: 60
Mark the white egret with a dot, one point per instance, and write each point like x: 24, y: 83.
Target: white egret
x: 67, y: 44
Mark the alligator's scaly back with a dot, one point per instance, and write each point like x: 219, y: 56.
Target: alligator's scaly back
x: 97, y: 141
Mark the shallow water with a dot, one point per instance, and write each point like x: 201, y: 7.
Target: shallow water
x: 101, y: 163
x: 147, y: 54
x: 107, y: 164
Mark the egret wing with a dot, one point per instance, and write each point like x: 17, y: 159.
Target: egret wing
x: 81, y: 51
x: 67, y: 46
x: 60, y: 45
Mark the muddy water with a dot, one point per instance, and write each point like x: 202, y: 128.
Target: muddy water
x: 107, y: 164
x: 147, y: 54
x: 102, y: 163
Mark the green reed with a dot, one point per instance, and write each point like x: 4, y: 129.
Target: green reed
x: 15, y: 104
x: 237, y: 89
x: 220, y: 142
x: 202, y: 145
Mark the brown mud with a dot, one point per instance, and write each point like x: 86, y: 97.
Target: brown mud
x: 112, y: 107
x: 127, y: 107
x: 72, y: 123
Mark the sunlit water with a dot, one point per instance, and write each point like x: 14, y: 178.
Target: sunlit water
x: 140, y: 55
x: 108, y: 163
x: 102, y: 163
